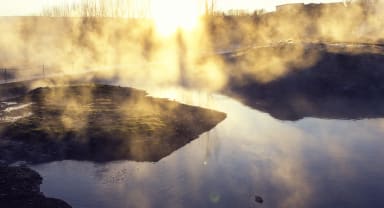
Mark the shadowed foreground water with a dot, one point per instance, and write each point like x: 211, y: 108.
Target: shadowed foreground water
x: 307, y: 163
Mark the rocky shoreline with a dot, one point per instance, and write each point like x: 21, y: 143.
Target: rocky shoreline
x: 20, y: 188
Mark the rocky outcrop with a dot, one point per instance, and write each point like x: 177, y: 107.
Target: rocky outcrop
x: 20, y: 188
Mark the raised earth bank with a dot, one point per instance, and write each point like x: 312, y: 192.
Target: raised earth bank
x: 98, y: 123
x: 342, y: 81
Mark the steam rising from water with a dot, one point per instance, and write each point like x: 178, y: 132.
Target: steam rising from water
x: 178, y: 50
x: 178, y: 46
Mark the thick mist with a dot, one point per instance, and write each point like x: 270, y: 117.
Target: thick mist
x: 124, y: 41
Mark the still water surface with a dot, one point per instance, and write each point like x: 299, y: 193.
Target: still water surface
x: 307, y: 163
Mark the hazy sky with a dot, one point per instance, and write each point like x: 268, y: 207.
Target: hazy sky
x: 27, y: 7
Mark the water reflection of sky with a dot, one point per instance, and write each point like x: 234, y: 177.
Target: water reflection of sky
x: 309, y: 163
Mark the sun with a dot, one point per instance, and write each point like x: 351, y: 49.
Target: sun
x: 171, y: 15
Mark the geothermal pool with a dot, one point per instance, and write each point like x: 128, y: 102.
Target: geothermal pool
x: 311, y: 162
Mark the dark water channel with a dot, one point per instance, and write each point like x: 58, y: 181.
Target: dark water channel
x: 309, y: 162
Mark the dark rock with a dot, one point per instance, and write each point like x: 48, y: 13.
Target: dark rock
x: 259, y: 199
x: 20, y: 188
